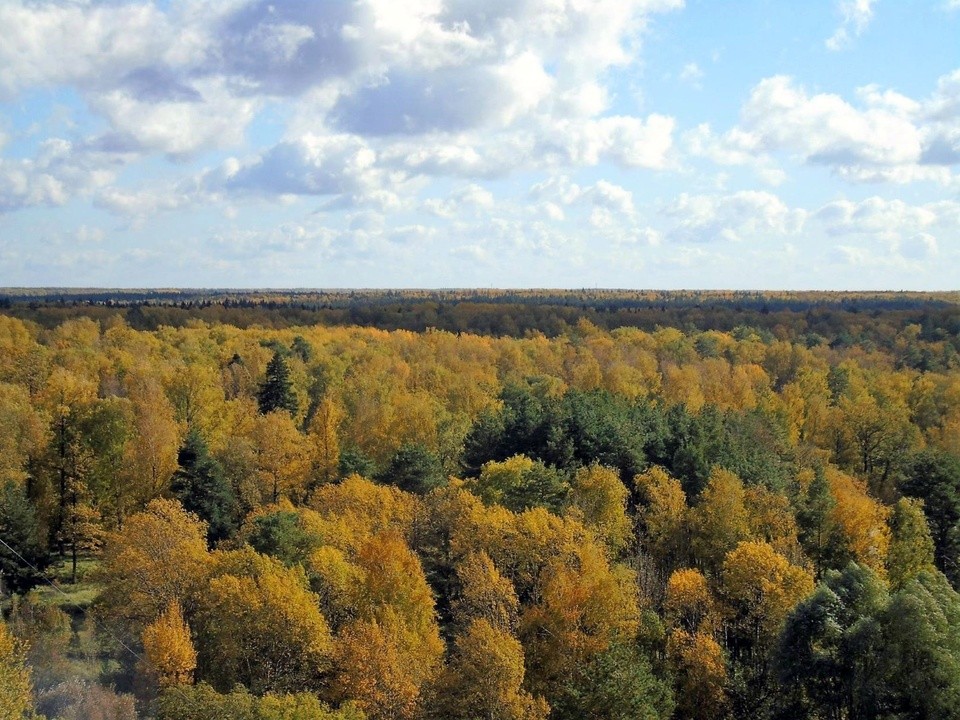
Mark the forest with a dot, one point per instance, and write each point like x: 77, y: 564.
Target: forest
x: 479, y: 505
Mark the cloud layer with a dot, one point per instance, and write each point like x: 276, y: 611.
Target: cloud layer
x: 441, y: 132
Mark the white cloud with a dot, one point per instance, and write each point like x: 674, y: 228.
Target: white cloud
x: 856, y: 16
x: 691, y: 74
x: 60, y: 171
x: 50, y: 43
x: 310, y: 165
x: 910, y: 231
x: 214, y: 118
x: 469, y: 199
x: 891, y: 138
x: 745, y: 215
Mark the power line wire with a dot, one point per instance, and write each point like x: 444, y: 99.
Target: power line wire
x: 57, y: 588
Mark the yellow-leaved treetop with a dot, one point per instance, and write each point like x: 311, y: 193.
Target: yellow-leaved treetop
x: 160, y: 556
x: 485, y: 678
x: 859, y: 521
x: 700, y: 676
x: 169, y: 651
x: 484, y: 594
x: 761, y: 587
x: 689, y: 604
x: 583, y: 605
x: 911, y: 547
x: 258, y: 624
x: 282, y: 457
x: 374, y: 669
x: 663, y: 516
x: 720, y: 520
x: 601, y: 498
x: 15, y: 697
x: 324, y: 438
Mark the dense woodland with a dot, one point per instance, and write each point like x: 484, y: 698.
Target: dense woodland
x: 520, y: 507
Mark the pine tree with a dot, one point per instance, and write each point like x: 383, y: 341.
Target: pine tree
x: 275, y: 392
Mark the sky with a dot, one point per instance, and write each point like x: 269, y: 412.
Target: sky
x: 743, y: 144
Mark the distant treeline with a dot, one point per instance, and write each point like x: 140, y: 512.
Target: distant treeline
x: 838, y: 319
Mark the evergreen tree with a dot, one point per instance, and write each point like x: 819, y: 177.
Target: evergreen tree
x: 202, y: 488
x: 934, y: 477
x: 617, y: 684
x: 413, y: 468
x: 275, y: 391
x: 20, y: 529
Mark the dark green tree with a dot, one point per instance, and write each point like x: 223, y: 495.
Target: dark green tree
x: 412, y: 468
x: 281, y: 535
x: 812, y: 517
x: 21, y: 531
x: 353, y: 461
x: 201, y: 486
x: 919, y: 654
x: 617, y: 684
x: 276, y: 392
x: 934, y: 477
x: 827, y: 658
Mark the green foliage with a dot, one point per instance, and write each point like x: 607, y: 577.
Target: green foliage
x: 617, y: 684
x: 281, y: 535
x: 201, y: 487
x: 911, y: 547
x: 813, y: 515
x: 825, y: 659
x: 919, y: 652
x: 934, y: 477
x: 519, y: 483
x: 202, y: 702
x: 276, y: 390
x: 413, y: 468
x: 21, y: 530
x: 354, y: 461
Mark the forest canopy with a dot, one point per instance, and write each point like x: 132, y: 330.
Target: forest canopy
x: 469, y: 505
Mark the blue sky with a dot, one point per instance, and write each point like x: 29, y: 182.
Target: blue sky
x: 481, y: 143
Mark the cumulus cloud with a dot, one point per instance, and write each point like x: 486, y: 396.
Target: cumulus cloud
x: 912, y: 231
x: 60, y: 171
x: 745, y: 215
x: 888, y: 138
x: 430, y: 87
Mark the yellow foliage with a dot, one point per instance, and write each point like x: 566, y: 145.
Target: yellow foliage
x: 336, y: 581
x: 602, y: 500
x: 393, y: 581
x: 689, y: 604
x: 859, y: 520
x: 701, y: 675
x: 719, y: 521
x: 663, y: 515
x: 159, y: 557
x: 258, y: 624
x: 583, y: 604
x: 15, y: 696
x: 772, y: 520
x: 282, y: 460
x: 169, y: 651
x: 359, y: 509
x: 761, y: 587
x: 485, y: 678
x: 374, y: 669
x: 484, y: 594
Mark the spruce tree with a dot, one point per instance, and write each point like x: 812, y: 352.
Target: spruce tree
x: 275, y: 392
x: 202, y: 489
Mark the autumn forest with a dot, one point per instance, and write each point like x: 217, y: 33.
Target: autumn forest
x: 479, y: 506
